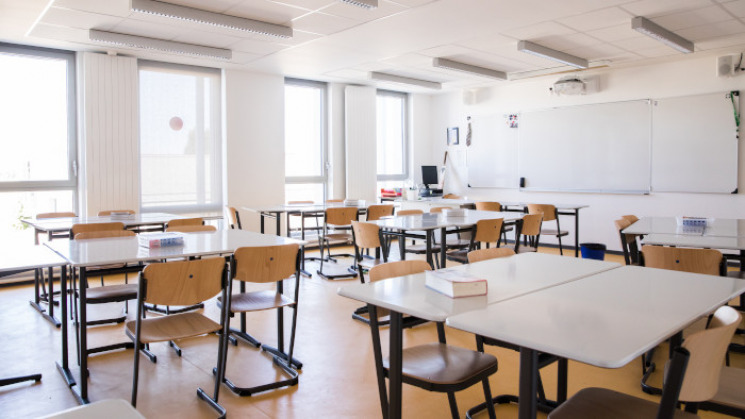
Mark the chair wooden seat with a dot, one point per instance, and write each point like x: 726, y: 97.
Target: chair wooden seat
x: 609, y: 404
x: 176, y: 326
x: 339, y: 237
x: 259, y: 300
x: 433, y: 365
x: 557, y: 233
x: 111, y: 293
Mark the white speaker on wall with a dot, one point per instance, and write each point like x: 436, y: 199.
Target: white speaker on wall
x: 725, y: 66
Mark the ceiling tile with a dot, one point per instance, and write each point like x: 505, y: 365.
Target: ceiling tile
x: 703, y: 32
x: 256, y: 47
x: 657, y: 52
x: 737, y: 42
x: 597, y: 52
x: 268, y: 11
x: 737, y: 8
x: 655, y: 8
x: 539, y: 30
x: 112, y: 8
x: 78, y: 19
x: 305, y: 4
x: 413, y: 3
x: 488, y: 43
x: 565, y: 42
x: 693, y: 18
x: 322, y: 23
x: 614, y: 33
x: 217, y: 6
x: 385, y: 8
x: 638, y: 42
x: 598, y: 19
x: 149, y: 29
x: 207, y: 38
x: 243, y: 57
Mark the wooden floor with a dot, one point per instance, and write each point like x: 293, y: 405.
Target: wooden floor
x: 337, y: 379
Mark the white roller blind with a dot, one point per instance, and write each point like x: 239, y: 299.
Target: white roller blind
x: 361, y: 142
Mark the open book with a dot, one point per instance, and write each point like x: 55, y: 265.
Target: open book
x: 455, y: 283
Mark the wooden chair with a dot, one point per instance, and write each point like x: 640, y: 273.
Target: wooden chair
x: 376, y: 212
x: 182, y: 283
x: 703, y: 352
x: 107, y: 213
x: 266, y: 265
x: 54, y: 235
x: 497, y: 207
x: 402, y: 213
x: 436, y: 366
x: 702, y: 261
x: 337, y: 227
x: 417, y: 249
x: 291, y: 215
x: 629, y: 243
x: 451, y: 196
x: 368, y: 236
x: 549, y: 214
x: 461, y: 241
x: 493, y: 253
x: 487, y: 232
x: 233, y: 217
x: 529, y: 232
x: 191, y: 229
x: 332, y: 201
x: 185, y: 222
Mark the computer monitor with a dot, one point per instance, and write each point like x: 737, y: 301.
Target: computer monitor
x: 429, y: 175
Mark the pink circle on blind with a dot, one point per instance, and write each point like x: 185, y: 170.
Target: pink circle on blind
x: 176, y: 123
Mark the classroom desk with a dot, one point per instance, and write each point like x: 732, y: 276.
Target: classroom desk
x: 428, y: 222
x: 63, y: 224
x: 83, y: 254
x: 606, y: 319
x: 275, y: 212
x: 25, y: 258
x: 719, y: 227
x: 703, y: 241
x: 508, y: 278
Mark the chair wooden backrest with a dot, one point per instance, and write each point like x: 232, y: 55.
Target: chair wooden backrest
x: 185, y: 222
x: 708, y: 348
x: 701, y: 261
x: 191, y: 229
x: 266, y: 264
x: 402, y: 213
x: 548, y: 211
x: 394, y: 269
x: 341, y: 216
x: 55, y: 215
x: 451, y: 196
x: 489, y: 206
x: 493, y: 253
x: 104, y: 234
x: 234, y: 220
x: 488, y: 231
x: 183, y: 283
x: 628, y: 242
x: 631, y: 218
x: 301, y: 202
x: 376, y: 212
x: 86, y: 228
x: 106, y: 213
x: 331, y: 201
x: 438, y: 210
x: 366, y: 235
x: 532, y: 225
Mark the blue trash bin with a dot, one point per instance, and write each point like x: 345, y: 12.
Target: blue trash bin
x: 592, y: 250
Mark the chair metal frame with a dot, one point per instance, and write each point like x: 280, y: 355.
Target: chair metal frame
x: 324, y: 239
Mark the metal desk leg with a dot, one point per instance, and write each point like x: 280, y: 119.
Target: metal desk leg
x: 430, y: 259
x: 576, y: 232
x: 83, y: 322
x: 36, y: 302
x: 528, y: 383
x: 443, y: 247
x: 396, y: 365
x: 279, y: 224
x: 261, y: 222
x: 64, y: 368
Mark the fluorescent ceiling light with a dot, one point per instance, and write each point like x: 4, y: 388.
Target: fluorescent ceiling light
x: 551, y: 54
x: 158, y: 44
x: 191, y: 14
x: 375, y: 75
x: 367, y: 4
x: 468, y: 68
x: 653, y: 30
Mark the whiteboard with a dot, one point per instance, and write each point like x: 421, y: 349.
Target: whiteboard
x: 492, y: 156
x: 695, y: 144
x: 594, y: 148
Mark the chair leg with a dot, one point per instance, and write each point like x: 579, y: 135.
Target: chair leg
x: 487, y: 395
x: 454, y: 405
x: 136, y: 373
x: 561, y: 249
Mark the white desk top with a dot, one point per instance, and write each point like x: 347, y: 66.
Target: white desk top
x: 724, y: 227
x: 96, y: 252
x: 444, y: 201
x: 109, y: 409
x: 27, y: 257
x: 304, y: 208
x: 436, y: 221
x: 508, y: 278
x: 66, y: 223
x: 607, y: 319
x: 709, y: 242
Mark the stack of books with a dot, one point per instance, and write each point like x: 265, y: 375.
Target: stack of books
x: 155, y: 240
x: 455, y: 283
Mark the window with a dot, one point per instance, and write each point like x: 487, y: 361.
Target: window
x: 392, y: 138
x: 37, y: 115
x: 305, y: 138
x: 180, y: 138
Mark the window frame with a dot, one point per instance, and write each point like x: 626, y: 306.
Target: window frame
x: 323, y: 178
x: 405, y: 136
x: 71, y: 182
x: 217, y: 171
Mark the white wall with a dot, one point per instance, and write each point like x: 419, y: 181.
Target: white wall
x: 253, y: 112
x: 668, y: 79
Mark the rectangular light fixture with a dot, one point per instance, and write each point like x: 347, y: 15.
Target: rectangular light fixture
x: 653, y: 30
x: 367, y: 4
x: 191, y: 14
x: 376, y: 75
x: 468, y: 68
x: 135, y: 41
x: 551, y: 54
